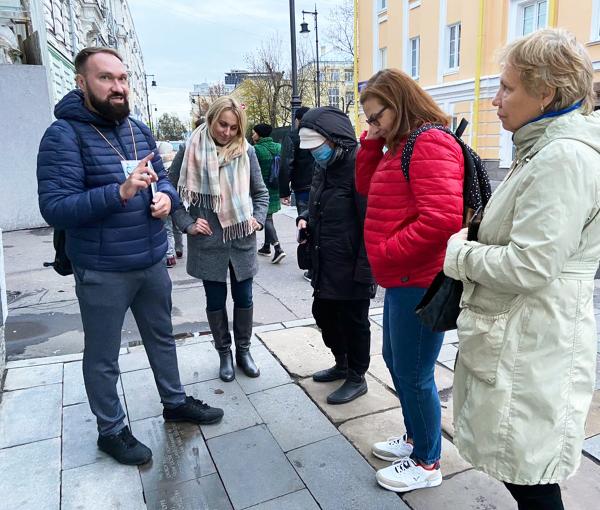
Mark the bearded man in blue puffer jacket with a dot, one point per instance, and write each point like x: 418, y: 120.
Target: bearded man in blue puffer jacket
x: 115, y: 240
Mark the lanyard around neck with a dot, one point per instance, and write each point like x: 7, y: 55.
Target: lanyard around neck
x: 113, y: 147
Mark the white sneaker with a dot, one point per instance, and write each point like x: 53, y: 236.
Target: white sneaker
x: 406, y: 475
x: 393, y: 449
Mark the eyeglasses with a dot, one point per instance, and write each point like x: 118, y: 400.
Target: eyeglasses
x: 373, y: 120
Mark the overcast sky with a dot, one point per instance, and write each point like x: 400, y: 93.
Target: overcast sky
x: 193, y: 41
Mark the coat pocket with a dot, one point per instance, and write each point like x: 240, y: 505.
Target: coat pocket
x: 481, y: 338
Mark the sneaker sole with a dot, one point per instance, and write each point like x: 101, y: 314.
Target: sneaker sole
x: 420, y: 485
x: 206, y: 422
x: 388, y: 458
x: 278, y: 259
x: 125, y: 463
x: 342, y: 402
x: 264, y: 254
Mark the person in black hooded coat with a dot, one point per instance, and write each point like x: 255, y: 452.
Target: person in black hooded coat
x: 341, y: 276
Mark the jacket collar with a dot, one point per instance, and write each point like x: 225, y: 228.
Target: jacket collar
x: 72, y: 107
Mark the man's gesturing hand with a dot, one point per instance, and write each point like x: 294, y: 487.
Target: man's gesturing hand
x: 161, y: 205
x: 139, y: 179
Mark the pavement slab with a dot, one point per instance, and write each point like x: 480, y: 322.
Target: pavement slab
x: 447, y: 414
x: 179, y: 453
x: 591, y: 446
x: 229, y: 396
x: 206, y: 493
x: 330, y: 467
x: 363, y: 432
x: 197, y: 362
x: 592, y: 424
x: 378, y: 398
x: 292, y: 417
x: 300, y: 350
x: 471, y: 490
x: 79, y: 436
x: 272, y: 374
x: 73, y: 386
x: 379, y: 370
x: 105, y: 484
x: 29, y: 377
x: 30, y: 476
x: 301, y: 500
x: 29, y: 415
x: 582, y: 491
x: 447, y: 353
x: 247, y: 460
x: 141, y: 396
x: 376, y: 339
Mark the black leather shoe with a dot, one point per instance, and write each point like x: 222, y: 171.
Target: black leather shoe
x: 125, y: 448
x: 226, y: 370
x: 243, y: 359
x: 194, y: 411
x: 354, y: 386
x: 334, y: 373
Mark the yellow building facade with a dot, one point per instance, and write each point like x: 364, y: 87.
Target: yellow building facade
x: 450, y: 48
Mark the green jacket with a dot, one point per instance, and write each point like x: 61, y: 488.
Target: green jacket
x: 266, y: 148
x: 527, y: 336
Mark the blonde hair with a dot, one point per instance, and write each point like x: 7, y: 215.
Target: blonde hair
x: 411, y: 105
x: 224, y: 104
x: 552, y: 57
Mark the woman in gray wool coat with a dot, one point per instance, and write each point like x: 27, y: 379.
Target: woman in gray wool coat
x: 219, y: 177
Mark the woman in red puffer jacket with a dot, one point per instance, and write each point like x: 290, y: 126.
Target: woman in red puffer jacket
x: 407, y: 227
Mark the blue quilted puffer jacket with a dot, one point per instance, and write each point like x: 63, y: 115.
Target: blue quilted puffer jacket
x: 79, y: 175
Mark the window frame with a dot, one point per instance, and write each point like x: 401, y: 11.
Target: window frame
x: 516, y: 16
x: 453, y: 64
x: 414, y: 63
x: 382, y: 58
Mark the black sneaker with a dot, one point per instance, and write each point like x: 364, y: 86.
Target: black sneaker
x: 307, y: 276
x: 265, y: 251
x: 125, y: 448
x: 278, y: 256
x: 194, y: 411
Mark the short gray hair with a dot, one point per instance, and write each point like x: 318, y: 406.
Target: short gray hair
x: 553, y: 57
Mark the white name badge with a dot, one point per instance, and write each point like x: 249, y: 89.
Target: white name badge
x: 129, y: 165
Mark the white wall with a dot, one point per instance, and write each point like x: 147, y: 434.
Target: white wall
x: 24, y: 116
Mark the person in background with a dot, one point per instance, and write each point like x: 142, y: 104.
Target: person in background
x: 219, y: 176
x: 406, y: 229
x: 266, y: 150
x: 341, y: 277
x: 526, y: 365
x: 297, y: 170
x: 116, y: 242
x: 174, y: 236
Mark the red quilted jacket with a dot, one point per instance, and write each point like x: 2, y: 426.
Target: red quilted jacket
x: 408, y: 224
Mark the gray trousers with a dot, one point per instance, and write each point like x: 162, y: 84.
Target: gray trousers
x: 104, y: 298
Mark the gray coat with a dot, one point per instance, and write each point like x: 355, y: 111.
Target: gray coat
x: 208, y: 256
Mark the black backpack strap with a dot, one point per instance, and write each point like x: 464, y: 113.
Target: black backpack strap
x: 409, y: 147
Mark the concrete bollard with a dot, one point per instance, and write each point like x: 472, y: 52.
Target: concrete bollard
x: 3, y: 312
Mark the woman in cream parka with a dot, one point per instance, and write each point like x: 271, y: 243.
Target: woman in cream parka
x: 527, y: 354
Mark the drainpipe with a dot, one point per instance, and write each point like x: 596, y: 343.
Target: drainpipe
x: 475, y: 125
x: 355, y: 76
x: 72, y: 28
x: 552, y: 12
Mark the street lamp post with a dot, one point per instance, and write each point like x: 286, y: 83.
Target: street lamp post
x: 295, y: 102
x: 153, y: 83
x: 305, y: 30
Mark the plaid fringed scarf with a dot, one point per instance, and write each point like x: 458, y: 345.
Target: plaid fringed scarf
x: 223, y: 186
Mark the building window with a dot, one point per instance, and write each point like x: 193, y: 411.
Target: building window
x: 533, y: 16
x: 349, y: 98
x: 382, y: 58
x: 381, y: 5
x: 415, y: 44
x: 453, y: 46
x: 349, y: 75
x: 322, y: 76
x: 595, y: 31
x: 335, y: 75
x: 334, y: 96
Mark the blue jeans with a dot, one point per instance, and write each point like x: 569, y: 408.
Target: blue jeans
x: 216, y: 293
x: 410, y: 350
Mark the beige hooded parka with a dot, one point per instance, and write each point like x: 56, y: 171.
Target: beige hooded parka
x: 526, y: 366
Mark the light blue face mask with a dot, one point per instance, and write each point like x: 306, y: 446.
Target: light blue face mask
x: 322, y: 154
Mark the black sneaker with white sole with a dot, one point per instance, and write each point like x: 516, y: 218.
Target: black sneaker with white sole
x: 125, y: 448
x: 194, y: 411
x: 278, y: 256
x: 265, y: 251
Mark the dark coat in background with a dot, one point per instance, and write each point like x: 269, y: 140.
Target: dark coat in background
x: 336, y: 214
x: 297, y: 166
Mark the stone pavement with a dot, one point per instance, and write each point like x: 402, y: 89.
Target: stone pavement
x: 279, y: 446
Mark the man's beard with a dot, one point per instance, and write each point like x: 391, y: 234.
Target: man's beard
x: 108, y: 110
